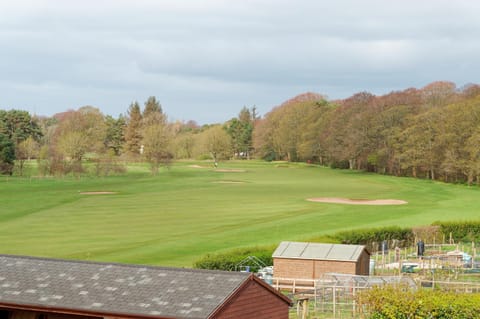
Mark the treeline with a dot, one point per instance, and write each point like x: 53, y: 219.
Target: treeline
x: 432, y: 132
x: 83, y: 141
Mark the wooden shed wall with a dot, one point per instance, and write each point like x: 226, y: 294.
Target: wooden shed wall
x: 254, y: 301
x: 363, y: 264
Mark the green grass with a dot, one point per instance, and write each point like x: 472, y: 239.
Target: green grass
x: 178, y: 216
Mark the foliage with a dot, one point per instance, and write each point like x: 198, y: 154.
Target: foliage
x: 156, y: 141
x: 432, y: 132
x: 460, y: 230
x: 371, y: 236
x: 290, y: 131
x: 133, y: 129
x: 115, y: 137
x: 240, y: 130
x: 19, y: 125
x: 7, y: 155
x: 230, y: 260
x: 391, y: 302
x: 152, y: 106
x: 108, y: 164
x: 215, y: 142
x: 24, y: 151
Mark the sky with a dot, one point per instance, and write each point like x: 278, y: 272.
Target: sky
x: 204, y: 60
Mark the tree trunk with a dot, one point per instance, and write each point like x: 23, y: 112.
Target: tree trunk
x: 470, y: 178
x: 351, y: 163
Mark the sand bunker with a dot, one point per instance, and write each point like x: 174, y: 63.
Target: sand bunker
x: 97, y: 193
x: 196, y: 166
x: 230, y: 170
x: 349, y: 201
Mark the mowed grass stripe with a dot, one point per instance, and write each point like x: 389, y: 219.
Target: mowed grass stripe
x: 181, y: 214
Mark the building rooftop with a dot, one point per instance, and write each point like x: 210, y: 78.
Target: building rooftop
x: 109, y: 288
x: 302, y: 250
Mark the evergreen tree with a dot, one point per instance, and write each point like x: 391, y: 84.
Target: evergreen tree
x: 152, y: 106
x: 133, y: 136
x: 7, y: 154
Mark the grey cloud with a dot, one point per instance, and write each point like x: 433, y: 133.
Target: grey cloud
x: 220, y: 55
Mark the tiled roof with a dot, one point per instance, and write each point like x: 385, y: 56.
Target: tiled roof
x: 115, y: 288
x: 318, y: 251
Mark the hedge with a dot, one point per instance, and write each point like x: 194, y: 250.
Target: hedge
x: 461, y: 231
x: 394, y: 235
x: 231, y: 259
x: 390, y: 302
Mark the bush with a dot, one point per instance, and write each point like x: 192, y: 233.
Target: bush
x: 390, y: 302
x: 231, y: 259
x: 461, y: 231
x: 340, y: 164
x: 395, y: 236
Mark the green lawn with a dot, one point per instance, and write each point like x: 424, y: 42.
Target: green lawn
x: 184, y: 213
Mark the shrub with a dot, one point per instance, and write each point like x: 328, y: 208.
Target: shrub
x: 461, y: 231
x: 391, y: 302
x: 395, y: 236
x: 231, y: 259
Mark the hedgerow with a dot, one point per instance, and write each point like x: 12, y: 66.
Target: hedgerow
x: 231, y: 259
x: 461, y: 230
x: 372, y: 236
x: 390, y: 302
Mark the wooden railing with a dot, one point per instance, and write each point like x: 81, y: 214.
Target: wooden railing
x: 294, y: 284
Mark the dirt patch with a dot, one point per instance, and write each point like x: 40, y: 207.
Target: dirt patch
x: 230, y: 170
x: 196, y: 166
x: 349, y: 201
x: 98, y: 193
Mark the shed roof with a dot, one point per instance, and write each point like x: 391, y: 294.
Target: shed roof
x: 318, y: 251
x: 120, y: 289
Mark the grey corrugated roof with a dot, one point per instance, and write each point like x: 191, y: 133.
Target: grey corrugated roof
x: 115, y: 288
x: 288, y: 249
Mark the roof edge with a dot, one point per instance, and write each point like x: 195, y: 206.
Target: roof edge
x: 358, y: 248
x: 119, y: 264
x: 311, y: 258
x: 78, y: 312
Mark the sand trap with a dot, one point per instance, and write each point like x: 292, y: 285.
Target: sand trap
x: 196, y: 166
x: 349, y: 201
x: 97, y: 193
x: 228, y: 182
x: 230, y: 170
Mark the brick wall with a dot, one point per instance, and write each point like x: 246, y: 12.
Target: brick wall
x: 255, y: 301
x: 324, y: 266
x: 312, y: 269
x: 293, y: 268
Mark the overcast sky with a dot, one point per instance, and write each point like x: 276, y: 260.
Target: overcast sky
x: 206, y: 59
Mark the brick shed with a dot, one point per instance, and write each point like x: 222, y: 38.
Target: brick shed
x: 312, y: 260
x: 40, y: 288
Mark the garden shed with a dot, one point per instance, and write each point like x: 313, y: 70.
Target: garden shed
x: 40, y: 288
x: 311, y: 260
